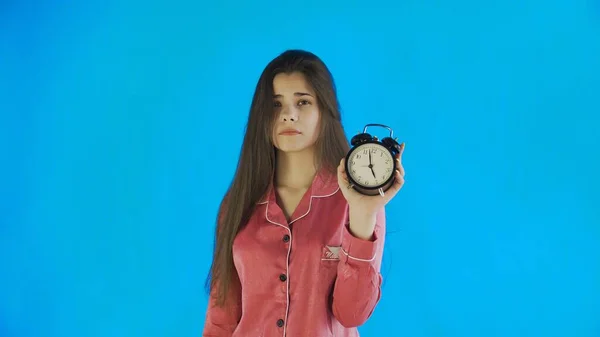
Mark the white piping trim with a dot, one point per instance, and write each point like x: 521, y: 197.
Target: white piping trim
x: 357, y: 259
x: 287, y: 261
x: 310, y: 204
x: 287, y: 270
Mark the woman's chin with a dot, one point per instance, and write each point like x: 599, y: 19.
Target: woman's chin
x: 293, y: 148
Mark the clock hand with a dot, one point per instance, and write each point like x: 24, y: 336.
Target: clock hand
x: 371, y: 165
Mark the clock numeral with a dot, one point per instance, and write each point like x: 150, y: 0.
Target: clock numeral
x: 366, y: 151
x: 358, y: 156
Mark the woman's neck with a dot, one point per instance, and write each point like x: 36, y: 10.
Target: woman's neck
x: 295, y: 170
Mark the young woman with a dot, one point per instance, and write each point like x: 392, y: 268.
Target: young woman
x: 297, y: 251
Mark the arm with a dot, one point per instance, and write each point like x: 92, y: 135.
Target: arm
x: 357, y: 289
x: 222, y: 321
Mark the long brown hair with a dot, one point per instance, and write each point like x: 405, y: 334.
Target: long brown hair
x: 256, y: 166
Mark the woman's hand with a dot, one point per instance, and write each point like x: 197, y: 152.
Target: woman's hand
x: 363, y: 208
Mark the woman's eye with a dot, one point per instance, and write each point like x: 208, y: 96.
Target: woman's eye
x: 276, y: 104
x: 303, y: 102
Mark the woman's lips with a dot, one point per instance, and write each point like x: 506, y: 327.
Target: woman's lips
x: 290, y: 133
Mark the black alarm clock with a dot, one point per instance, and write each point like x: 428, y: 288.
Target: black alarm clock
x: 371, y: 163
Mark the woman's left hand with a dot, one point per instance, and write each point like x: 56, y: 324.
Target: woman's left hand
x: 370, y: 204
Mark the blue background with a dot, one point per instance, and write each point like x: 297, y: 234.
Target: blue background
x: 110, y: 113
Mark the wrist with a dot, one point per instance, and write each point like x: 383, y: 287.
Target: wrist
x: 362, y: 223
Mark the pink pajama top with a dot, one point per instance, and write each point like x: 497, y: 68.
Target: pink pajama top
x: 305, y: 277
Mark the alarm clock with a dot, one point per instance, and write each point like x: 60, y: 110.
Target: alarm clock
x: 370, y: 164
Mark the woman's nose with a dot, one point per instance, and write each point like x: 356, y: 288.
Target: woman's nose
x: 289, y: 115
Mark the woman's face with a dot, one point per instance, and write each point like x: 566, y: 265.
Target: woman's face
x: 297, y: 114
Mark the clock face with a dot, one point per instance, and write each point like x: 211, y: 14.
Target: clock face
x: 370, y: 164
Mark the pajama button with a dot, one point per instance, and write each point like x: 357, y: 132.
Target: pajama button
x: 282, y: 277
x: 280, y: 323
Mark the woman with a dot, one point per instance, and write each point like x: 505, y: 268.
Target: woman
x: 297, y: 252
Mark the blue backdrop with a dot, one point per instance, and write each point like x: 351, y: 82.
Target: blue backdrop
x: 113, y: 113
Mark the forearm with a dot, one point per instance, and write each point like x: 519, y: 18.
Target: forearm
x: 362, y: 223
x: 357, y: 287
